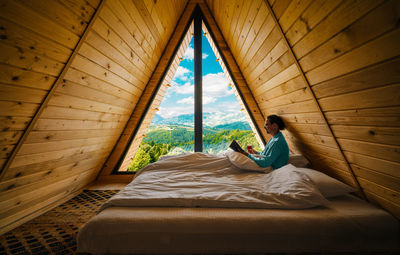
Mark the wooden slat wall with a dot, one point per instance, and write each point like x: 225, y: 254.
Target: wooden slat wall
x: 349, y: 52
x: 85, y: 116
x: 156, y: 78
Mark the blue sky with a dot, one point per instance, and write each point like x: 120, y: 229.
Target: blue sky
x: 218, y: 98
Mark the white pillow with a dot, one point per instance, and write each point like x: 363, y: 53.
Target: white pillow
x: 244, y: 163
x: 328, y: 186
x: 298, y: 160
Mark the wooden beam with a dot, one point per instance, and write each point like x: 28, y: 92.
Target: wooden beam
x: 51, y: 92
x: 306, y: 81
x: 198, y: 83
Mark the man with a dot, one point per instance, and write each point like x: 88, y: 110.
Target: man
x: 276, y: 152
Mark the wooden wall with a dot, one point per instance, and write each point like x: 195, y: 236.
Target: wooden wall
x: 338, y: 91
x: 108, y: 67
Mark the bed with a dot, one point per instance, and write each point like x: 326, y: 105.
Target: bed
x: 219, y: 204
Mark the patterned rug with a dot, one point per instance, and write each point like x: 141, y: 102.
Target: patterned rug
x: 55, y: 231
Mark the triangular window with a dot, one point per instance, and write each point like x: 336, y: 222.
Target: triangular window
x: 170, y: 124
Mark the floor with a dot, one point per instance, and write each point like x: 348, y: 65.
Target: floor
x: 54, y: 232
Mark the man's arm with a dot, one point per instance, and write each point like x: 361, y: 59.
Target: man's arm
x: 268, y: 159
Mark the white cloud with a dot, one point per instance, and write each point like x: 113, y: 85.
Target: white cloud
x: 189, y: 54
x: 185, y: 89
x: 186, y: 100
x: 182, y: 73
x: 215, y: 85
x: 169, y: 112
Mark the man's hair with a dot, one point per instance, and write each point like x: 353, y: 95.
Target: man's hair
x: 276, y: 119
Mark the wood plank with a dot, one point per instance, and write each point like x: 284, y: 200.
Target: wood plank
x: 382, y: 151
x: 108, y: 17
x: 243, y: 13
x: 383, y: 96
x: 375, y: 23
x: 373, y: 163
x: 108, y: 34
x: 388, y: 116
x: 292, y: 12
x: 390, y: 195
x: 47, y: 156
x: 5, y: 150
x: 282, y: 63
x: 25, y: 172
x: 146, y: 16
x: 11, y: 123
x: 17, y: 109
x: 300, y: 95
x: 54, y: 112
x: 248, y: 23
x: 284, y: 88
x: 62, y: 188
x: 120, y: 12
x: 373, y: 76
x: 302, y: 107
x: 346, y: 13
x: 60, y: 135
x: 273, y: 55
x: 81, y: 8
x: 303, y: 118
x: 42, y: 210
x: 58, y: 13
x: 26, y: 60
x: 51, y: 146
x: 284, y: 76
x: 62, y: 100
x: 59, y: 124
x: 18, y: 76
x: 384, y: 203
x: 133, y: 12
x: 311, y: 17
x: 90, y: 81
x: 9, y: 137
x: 268, y: 28
x: 77, y: 90
x: 279, y: 7
x: 375, y: 134
x: 21, y: 94
x: 358, y: 58
x: 26, y: 17
x: 382, y: 179
x: 17, y: 186
x: 82, y: 63
x: 154, y: 16
x: 100, y: 59
x: 24, y: 40
x: 139, y: 68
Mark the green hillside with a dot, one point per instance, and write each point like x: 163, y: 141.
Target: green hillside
x: 173, y: 139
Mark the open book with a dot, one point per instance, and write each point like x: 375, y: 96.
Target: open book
x: 235, y: 146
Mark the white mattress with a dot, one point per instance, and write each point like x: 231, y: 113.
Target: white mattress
x: 347, y: 224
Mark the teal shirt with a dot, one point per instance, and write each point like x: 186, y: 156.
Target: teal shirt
x: 275, y: 153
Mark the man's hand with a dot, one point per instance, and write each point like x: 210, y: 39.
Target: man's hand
x: 253, y: 151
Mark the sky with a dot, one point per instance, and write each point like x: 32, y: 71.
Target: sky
x: 218, y: 98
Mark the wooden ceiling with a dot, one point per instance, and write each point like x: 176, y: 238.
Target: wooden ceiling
x: 75, y: 77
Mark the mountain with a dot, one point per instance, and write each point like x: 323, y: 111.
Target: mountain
x: 212, y: 120
x: 241, y: 125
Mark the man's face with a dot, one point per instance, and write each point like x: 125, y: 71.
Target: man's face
x: 268, y: 126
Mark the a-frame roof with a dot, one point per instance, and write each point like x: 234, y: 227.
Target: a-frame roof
x: 76, y: 77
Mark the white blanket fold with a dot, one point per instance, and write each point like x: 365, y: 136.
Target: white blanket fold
x: 203, y: 180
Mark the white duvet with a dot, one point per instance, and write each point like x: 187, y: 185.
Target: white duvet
x: 204, y: 180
